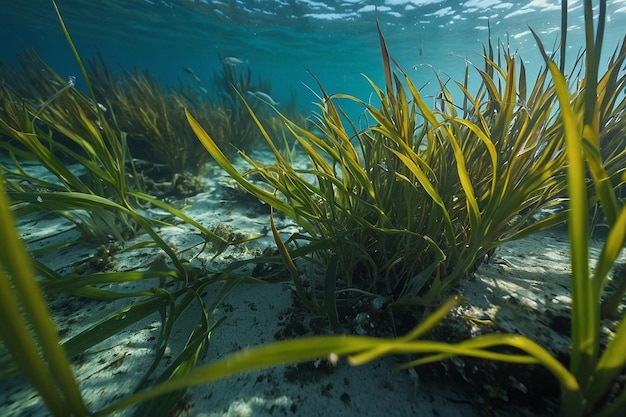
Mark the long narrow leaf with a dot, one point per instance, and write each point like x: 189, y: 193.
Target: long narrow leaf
x: 585, y: 305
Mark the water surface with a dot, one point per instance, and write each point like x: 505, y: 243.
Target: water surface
x: 282, y: 39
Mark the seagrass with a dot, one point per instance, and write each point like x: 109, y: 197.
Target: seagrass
x: 319, y: 206
x: 412, y: 203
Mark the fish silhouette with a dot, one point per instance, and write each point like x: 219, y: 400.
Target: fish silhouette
x: 263, y: 97
x: 233, y: 60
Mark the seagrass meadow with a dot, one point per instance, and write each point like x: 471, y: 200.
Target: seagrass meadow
x: 205, y: 248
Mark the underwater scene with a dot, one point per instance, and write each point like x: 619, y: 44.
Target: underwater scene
x: 313, y: 208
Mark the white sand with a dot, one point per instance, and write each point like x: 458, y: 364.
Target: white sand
x: 524, y: 280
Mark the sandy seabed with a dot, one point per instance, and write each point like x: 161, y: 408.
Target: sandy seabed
x: 523, y: 289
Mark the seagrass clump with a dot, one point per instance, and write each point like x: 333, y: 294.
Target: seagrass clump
x: 410, y: 204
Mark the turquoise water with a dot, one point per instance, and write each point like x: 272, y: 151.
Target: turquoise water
x: 282, y: 39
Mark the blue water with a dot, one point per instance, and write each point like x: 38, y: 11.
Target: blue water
x: 282, y: 39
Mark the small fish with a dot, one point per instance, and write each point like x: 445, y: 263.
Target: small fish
x: 179, y: 102
x: 192, y: 74
x: 233, y: 60
x: 263, y: 97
